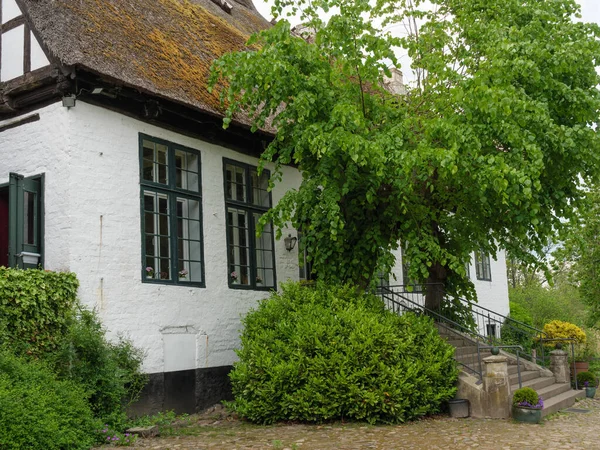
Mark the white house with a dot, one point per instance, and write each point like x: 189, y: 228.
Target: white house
x: 114, y: 165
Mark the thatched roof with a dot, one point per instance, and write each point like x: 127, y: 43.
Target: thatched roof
x: 164, y: 47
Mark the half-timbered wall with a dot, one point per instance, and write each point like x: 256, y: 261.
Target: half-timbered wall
x: 20, y: 51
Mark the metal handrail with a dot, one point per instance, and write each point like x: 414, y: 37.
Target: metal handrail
x: 464, y: 300
x: 484, y: 318
x: 452, y: 325
x: 390, y: 295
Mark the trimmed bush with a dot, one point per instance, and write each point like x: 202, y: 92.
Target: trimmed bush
x: 36, y: 307
x: 527, y: 397
x: 323, y: 353
x: 591, y: 379
x: 39, y: 411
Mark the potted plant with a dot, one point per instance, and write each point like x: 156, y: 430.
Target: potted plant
x: 183, y: 274
x: 149, y: 272
x: 234, y: 276
x: 527, y: 406
x: 589, y: 382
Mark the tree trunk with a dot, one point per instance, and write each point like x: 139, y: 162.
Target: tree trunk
x: 436, y: 281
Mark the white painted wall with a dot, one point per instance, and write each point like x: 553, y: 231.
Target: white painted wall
x: 90, y: 157
x: 492, y: 294
x: 92, y: 227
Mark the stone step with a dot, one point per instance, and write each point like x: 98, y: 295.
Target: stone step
x: 536, y: 383
x: 526, y: 375
x: 553, y: 390
x: 470, y: 354
x: 561, y: 401
x: 513, y: 368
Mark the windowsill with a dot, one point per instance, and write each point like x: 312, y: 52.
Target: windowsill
x: 247, y: 287
x: 174, y: 283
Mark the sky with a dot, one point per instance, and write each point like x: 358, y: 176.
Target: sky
x: 590, y: 9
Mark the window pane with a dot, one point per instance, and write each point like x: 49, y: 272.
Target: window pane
x: 189, y: 240
x: 265, y: 274
x: 29, y: 200
x: 236, y: 183
x: 260, y: 185
x: 157, y: 235
x: 148, y: 160
x: 238, y: 246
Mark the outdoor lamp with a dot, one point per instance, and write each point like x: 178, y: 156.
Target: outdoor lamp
x: 290, y: 242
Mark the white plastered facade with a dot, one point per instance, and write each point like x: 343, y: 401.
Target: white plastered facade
x: 90, y: 158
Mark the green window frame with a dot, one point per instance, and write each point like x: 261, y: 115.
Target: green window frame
x: 482, y: 266
x: 250, y: 258
x: 171, y: 213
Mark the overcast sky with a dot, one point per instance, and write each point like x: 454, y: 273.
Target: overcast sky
x: 590, y: 9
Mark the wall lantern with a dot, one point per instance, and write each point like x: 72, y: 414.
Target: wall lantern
x: 290, y: 242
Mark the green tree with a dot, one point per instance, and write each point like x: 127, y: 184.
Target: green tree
x: 486, y: 151
x: 581, y: 251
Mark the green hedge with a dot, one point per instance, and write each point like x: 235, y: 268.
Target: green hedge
x: 38, y: 411
x: 315, y: 354
x: 36, y: 307
x: 41, y: 319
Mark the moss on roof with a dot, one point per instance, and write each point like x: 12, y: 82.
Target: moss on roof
x: 162, y: 46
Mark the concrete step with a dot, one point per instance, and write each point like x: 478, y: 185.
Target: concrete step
x: 553, y: 390
x: 468, y: 354
x: 513, y: 368
x: 561, y: 401
x: 526, y: 375
x: 536, y: 383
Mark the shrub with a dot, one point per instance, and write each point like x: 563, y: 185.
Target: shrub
x: 527, y: 397
x: 41, y: 319
x: 315, y: 354
x: 514, y: 333
x: 589, y: 377
x: 39, y: 411
x: 36, y: 307
x: 558, y: 329
x: 110, y: 372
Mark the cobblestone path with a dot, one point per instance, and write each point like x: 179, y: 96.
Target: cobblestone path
x: 564, y: 430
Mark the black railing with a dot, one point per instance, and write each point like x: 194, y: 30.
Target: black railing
x: 467, y: 320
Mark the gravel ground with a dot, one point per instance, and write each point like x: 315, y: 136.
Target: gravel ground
x: 215, y: 430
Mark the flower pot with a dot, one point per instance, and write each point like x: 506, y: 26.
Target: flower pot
x: 459, y: 408
x: 590, y: 392
x: 526, y: 415
x: 580, y: 366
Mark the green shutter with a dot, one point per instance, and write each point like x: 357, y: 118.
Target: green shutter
x: 25, y: 221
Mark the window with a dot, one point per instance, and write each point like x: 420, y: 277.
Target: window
x: 304, y: 265
x: 172, y: 243
x: 22, y: 222
x: 250, y: 259
x: 482, y: 266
